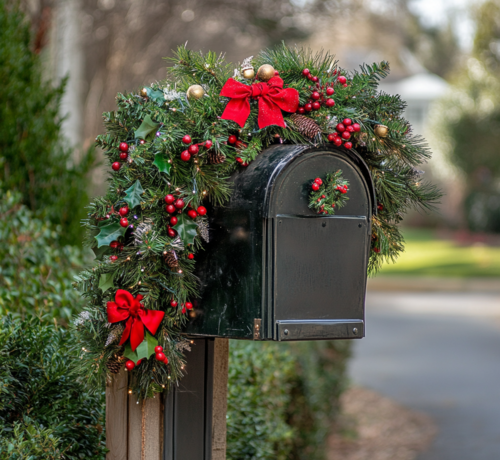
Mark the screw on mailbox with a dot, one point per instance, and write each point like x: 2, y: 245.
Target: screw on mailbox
x: 355, y: 330
x: 285, y: 331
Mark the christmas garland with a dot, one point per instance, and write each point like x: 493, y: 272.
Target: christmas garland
x: 328, y: 195
x: 174, y: 145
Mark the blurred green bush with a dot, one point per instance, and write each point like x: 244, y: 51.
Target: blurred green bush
x: 283, y: 398
x: 33, y: 157
x: 36, y: 272
x: 45, y: 412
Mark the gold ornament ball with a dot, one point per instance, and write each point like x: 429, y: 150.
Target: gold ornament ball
x: 195, y: 92
x: 381, y: 130
x: 144, y: 92
x: 248, y: 73
x: 265, y: 72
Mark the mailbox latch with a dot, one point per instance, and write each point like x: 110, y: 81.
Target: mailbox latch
x: 257, y: 326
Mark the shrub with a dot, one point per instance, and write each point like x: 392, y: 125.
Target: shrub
x: 35, y: 271
x: 43, y: 407
x: 283, y: 398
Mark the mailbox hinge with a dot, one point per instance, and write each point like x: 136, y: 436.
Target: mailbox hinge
x: 257, y: 326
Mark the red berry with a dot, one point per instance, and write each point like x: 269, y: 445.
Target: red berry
x: 139, y: 362
x: 356, y: 127
x: 208, y: 144
x: 186, y: 139
x: 113, y: 258
x: 345, y: 85
x: 173, y: 303
x: 316, y: 105
x: 346, y: 135
x: 348, y: 145
x: 350, y: 129
x: 318, y: 181
x: 377, y: 250
x: 239, y: 160
x: 193, y: 149
x: 158, y: 349
x: 123, y: 147
x: 318, y: 200
x: 171, y: 233
x: 276, y: 73
x: 232, y: 139
x: 173, y: 221
x: 340, y: 128
x: 123, y: 211
x: 160, y: 356
x: 315, y: 95
x: 342, y: 80
x: 306, y: 72
x: 338, y: 141
x: 315, y: 79
x: 323, y: 196
x: 330, y: 102
x: 301, y: 110
x: 123, y: 155
x: 165, y: 360
x: 310, y: 77
x: 179, y: 204
x: 124, y: 222
x: 308, y: 107
x: 185, y: 156
x: 116, y: 166
x: 190, y: 256
x: 169, y: 199
x: 189, y: 305
x: 380, y: 207
x: 129, y: 365
x: 202, y: 210
x: 183, y: 310
x: 347, y: 121
x: 315, y: 186
x: 170, y: 208
x: 330, y: 91
x: 114, y: 244
x: 331, y: 137
x: 192, y: 213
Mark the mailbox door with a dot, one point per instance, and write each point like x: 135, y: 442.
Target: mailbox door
x: 319, y: 262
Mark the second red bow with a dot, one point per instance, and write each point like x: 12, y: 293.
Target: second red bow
x: 126, y: 307
x: 272, y: 100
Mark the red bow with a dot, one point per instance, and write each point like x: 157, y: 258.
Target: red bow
x: 272, y: 100
x: 125, y: 306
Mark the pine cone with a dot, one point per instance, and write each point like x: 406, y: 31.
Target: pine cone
x: 171, y: 259
x: 215, y: 158
x: 115, y: 363
x: 306, y: 126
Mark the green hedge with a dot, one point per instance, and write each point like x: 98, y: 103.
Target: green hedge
x: 45, y: 412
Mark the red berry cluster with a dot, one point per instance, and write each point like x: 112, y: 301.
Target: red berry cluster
x: 317, y: 182
x: 342, y: 188
x: 175, y: 206
x: 193, y: 149
x: 123, y: 156
x: 343, y: 132
x: 185, y: 307
x: 317, y: 97
x: 159, y: 355
x: 233, y: 140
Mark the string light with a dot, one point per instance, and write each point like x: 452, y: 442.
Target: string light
x: 180, y: 271
x: 129, y: 392
x: 204, y: 192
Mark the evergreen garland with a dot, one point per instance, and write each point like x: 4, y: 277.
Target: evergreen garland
x: 154, y: 123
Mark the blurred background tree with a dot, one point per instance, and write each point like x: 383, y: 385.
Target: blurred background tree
x: 469, y: 123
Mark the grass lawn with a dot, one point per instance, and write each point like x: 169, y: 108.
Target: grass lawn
x: 426, y: 255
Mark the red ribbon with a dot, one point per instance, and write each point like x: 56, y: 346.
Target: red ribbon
x: 126, y: 306
x: 272, y: 100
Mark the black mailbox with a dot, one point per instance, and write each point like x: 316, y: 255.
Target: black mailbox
x: 276, y: 270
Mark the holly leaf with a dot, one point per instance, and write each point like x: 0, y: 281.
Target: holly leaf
x: 108, y: 233
x: 106, y: 281
x: 161, y: 162
x: 145, y: 349
x: 186, y: 227
x: 134, y: 193
x: 146, y: 128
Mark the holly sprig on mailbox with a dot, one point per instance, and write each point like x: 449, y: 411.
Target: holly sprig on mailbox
x: 330, y: 194
x: 173, y: 145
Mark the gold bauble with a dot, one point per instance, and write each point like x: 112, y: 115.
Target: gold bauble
x: 195, y: 92
x: 381, y: 130
x: 144, y: 92
x: 265, y: 72
x: 248, y: 73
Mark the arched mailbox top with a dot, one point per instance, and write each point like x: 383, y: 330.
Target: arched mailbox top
x: 278, y: 181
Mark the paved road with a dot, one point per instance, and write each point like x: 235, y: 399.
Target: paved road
x: 438, y: 353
